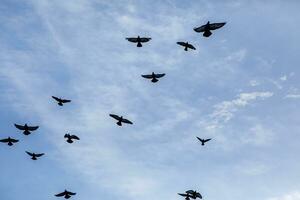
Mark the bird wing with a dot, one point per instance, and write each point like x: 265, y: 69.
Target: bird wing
x: 144, y: 39
x: 31, y: 154
x: 149, y: 76
x: 182, y: 43
x: 71, y: 193
x: 215, y: 26
x: 126, y: 121
x: 200, y: 29
x: 198, y: 195
x: 56, y: 98
x: 33, y: 128
x: 191, y: 46
x: 190, y: 191
x: 199, y: 139
x: 66, y: 136
x: 61, y: 194
x: 207, y: 140
x: 65, y: 101
x: 114, y: 116
x: 4, y: 140
x: 20, y: 127
x: 132, y: 39
x: 74, y: 137
x: 39, y: 154
x: 159, y: 75
x: 13, y: 140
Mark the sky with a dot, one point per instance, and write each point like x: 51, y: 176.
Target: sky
x: 240, y: 88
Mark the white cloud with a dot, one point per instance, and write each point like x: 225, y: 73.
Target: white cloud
x: 291, y: 196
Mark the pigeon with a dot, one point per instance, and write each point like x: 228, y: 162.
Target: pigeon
x: 203, y: 140
x: 10, y: 141
x: 26, y: 128
x: 70, y: 138
x: 60, y: 101
x: 186, y: 45
x: 120, y: 119
x: 194, y: 194
x: 153, y: 76
x: 191, y: 194
x: 66, y: 194
x: 34, y: 156
x: 208, y: 27
x: 139, y: 40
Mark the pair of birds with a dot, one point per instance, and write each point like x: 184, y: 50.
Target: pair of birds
x: 206, y: 29
x: 191, y: 194
x: 26, y: 131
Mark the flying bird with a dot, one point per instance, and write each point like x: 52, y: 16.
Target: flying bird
x: 66, y: 194
x: 10, y: 141
x: 139, y: 40
x: 203, y: 141
x: 120, y: 119
x: 208, y: 27
x: 61, y: 101
x: 26, y: 129
x: 70, y: 138
x: 34, y: 156
x: 153, y: 76
x: 191, y: 194
x: 186, y: 45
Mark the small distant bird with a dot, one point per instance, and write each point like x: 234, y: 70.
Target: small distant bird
x: 66, y: 194
x: 139, y: 40
x: 191, y: 194
x: 70, y: 138
x: 208, y: 27
x: 9, y: 141
x: 26, y: 128
x: 153, y: 76
x: 203, y: 141
x: 186, y: 45
x: 61, y: 101
x: 120, y: 119
x: 34, y: 156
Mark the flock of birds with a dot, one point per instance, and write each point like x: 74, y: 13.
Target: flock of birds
x: 190, y: 194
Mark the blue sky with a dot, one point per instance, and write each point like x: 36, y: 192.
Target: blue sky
x: 240, y: 87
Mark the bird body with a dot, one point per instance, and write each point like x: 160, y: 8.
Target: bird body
x: 66, y: 194
x: 10, y: 141
x: 139, y: 40
x: 70, y: 138
x: 34, y: 156
x: 208, y: 27
x: 203, y: 141
x: 61, y: 101
x: 186, y: 45
x: 154, y: 77
x: 26, y: 129
x: 120, y: 119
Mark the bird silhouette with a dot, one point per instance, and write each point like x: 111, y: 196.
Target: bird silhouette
x: 153, y: 76
x: 26, y: 129
x: 66, y: 194
x: 186, y: 45
x: 61, y: 101
x: 203, y: 141
x: 70, y: 138
x: 191, y: 194
x: 208, y: 27
x: 34, y: 156
x: 10, y: 141
x: 120, y: 119
x: 139, y: 40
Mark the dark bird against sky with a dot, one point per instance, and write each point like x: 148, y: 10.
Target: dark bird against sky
x: 208, y: 27
x: 34, y: 156
x: 61, y: 101
x: 153, y: 76
x: 186, y: 45
x: 70, y: 138
x: 139, y: 40
x: 66, y: 194
x: 10, y: 141
x: 26, y: 129
x: 203, y: 141
x: 120, y: 119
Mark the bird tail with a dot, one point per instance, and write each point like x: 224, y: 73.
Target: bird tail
x: 26, y: 132
x: 60, y: 103
x: 139, y: 44
x: 119, y: 123
x: 154, y: 80
x: 186, y: 48
x: 207, y: 33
